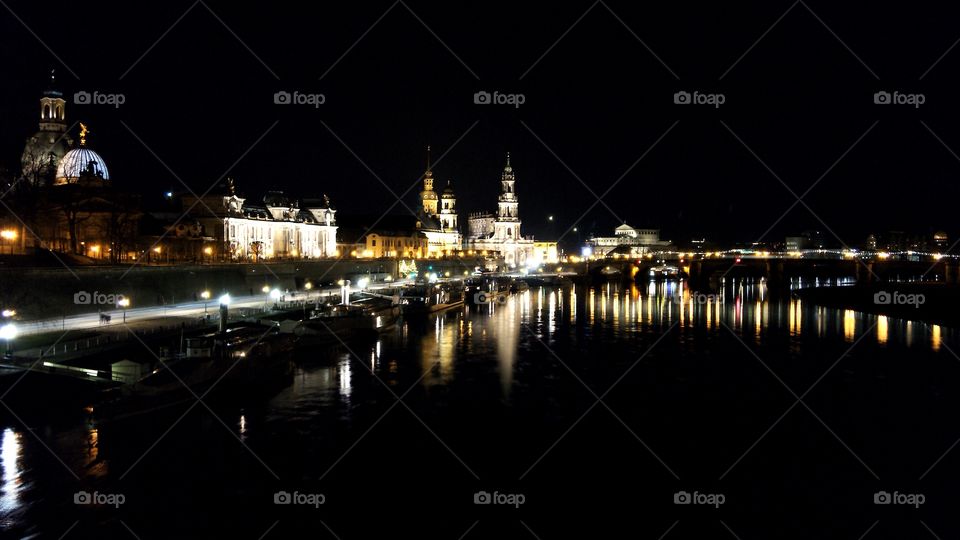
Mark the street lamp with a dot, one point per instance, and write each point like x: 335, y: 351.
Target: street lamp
x: 8, y: 333
x: 9, y: 313
x: 124, y: 303
x: 9, y: 235
x: 224, y: 304
x: 206, y: 297
x: 275, y: 294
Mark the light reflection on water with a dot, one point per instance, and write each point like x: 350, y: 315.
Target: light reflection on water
x: 331, y: 399
x: 498, y: 330
x: 11, y: 452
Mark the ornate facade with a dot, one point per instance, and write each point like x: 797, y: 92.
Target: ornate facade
x: 437, y: 216
x: 500, y: 232
x: 279, y: 228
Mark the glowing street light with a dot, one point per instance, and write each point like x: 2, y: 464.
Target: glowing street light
x: 275, y: 294
x: 8, y: 234
x: 225, y: 300
x: 8, y: 333
x: 124, y: 303
x: 266, y: 289
x: 308, y: 285
x: 8, y: 313
x: 206, y: 297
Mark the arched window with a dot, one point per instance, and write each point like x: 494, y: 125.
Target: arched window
x: 46, y: 112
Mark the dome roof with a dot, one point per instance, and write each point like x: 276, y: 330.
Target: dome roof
x: 448, y: 192
x: 79, y: 162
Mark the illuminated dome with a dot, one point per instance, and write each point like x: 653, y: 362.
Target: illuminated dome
x: 81, y: 162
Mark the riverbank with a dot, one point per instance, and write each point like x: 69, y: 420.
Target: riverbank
x: 934, y: 303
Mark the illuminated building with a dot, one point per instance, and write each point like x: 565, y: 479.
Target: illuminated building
x: 627, y: 240
x: 279, y: 228
x: 44, y: 149
x: 500, y: 233
x: 437, y: 215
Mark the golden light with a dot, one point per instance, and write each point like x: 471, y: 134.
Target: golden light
x: 336, y: 253
x: 205, y: 295
x: 8, y: 234
x: 95, y: 249
x: 156, y: 249
x: 308, y: 285
x: 208, y: 250
x: 9, y: 313
x: 265, y: 289
x: 123, y: 302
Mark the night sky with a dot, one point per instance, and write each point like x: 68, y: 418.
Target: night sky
x: 800, y: 98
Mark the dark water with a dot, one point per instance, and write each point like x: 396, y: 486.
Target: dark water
x: 398, y: 435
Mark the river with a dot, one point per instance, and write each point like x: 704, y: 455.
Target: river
x: 573, y: 412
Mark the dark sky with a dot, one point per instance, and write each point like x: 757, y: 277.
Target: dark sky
x: 800, y: 98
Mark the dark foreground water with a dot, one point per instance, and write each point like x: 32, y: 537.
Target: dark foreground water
x: 597, y: 409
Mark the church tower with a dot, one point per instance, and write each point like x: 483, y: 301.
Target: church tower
x: 44, y: 150
x: 507, y: 225
x: 53, y: 109
x: 448, y: 209
x: 428, y: 197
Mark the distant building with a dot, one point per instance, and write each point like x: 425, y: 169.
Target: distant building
x: 392, y: 236
x: 627, y: 240
x: 941, y: 240
x: 63, y: 199
x: 500, y: 233
x: 797, y: 243
x: 437, y: 216
x: 44, y: 149
x: 278, y: 228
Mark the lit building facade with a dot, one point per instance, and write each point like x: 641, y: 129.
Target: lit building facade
x: 628, y: 241
x: 500, y: 233
x: 279, y: 228
x: 437, y: 216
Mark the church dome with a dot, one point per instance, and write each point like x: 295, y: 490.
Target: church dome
x: 81, y: 162
x: 448, y: 192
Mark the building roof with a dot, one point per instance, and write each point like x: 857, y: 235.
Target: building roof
x: 80, y: 162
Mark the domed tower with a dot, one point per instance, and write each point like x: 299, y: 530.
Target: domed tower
x: 44, y: 150
x: 507, y: 225
x: 428, y: 197
x: 448, y: 209
x: 82, y: 165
